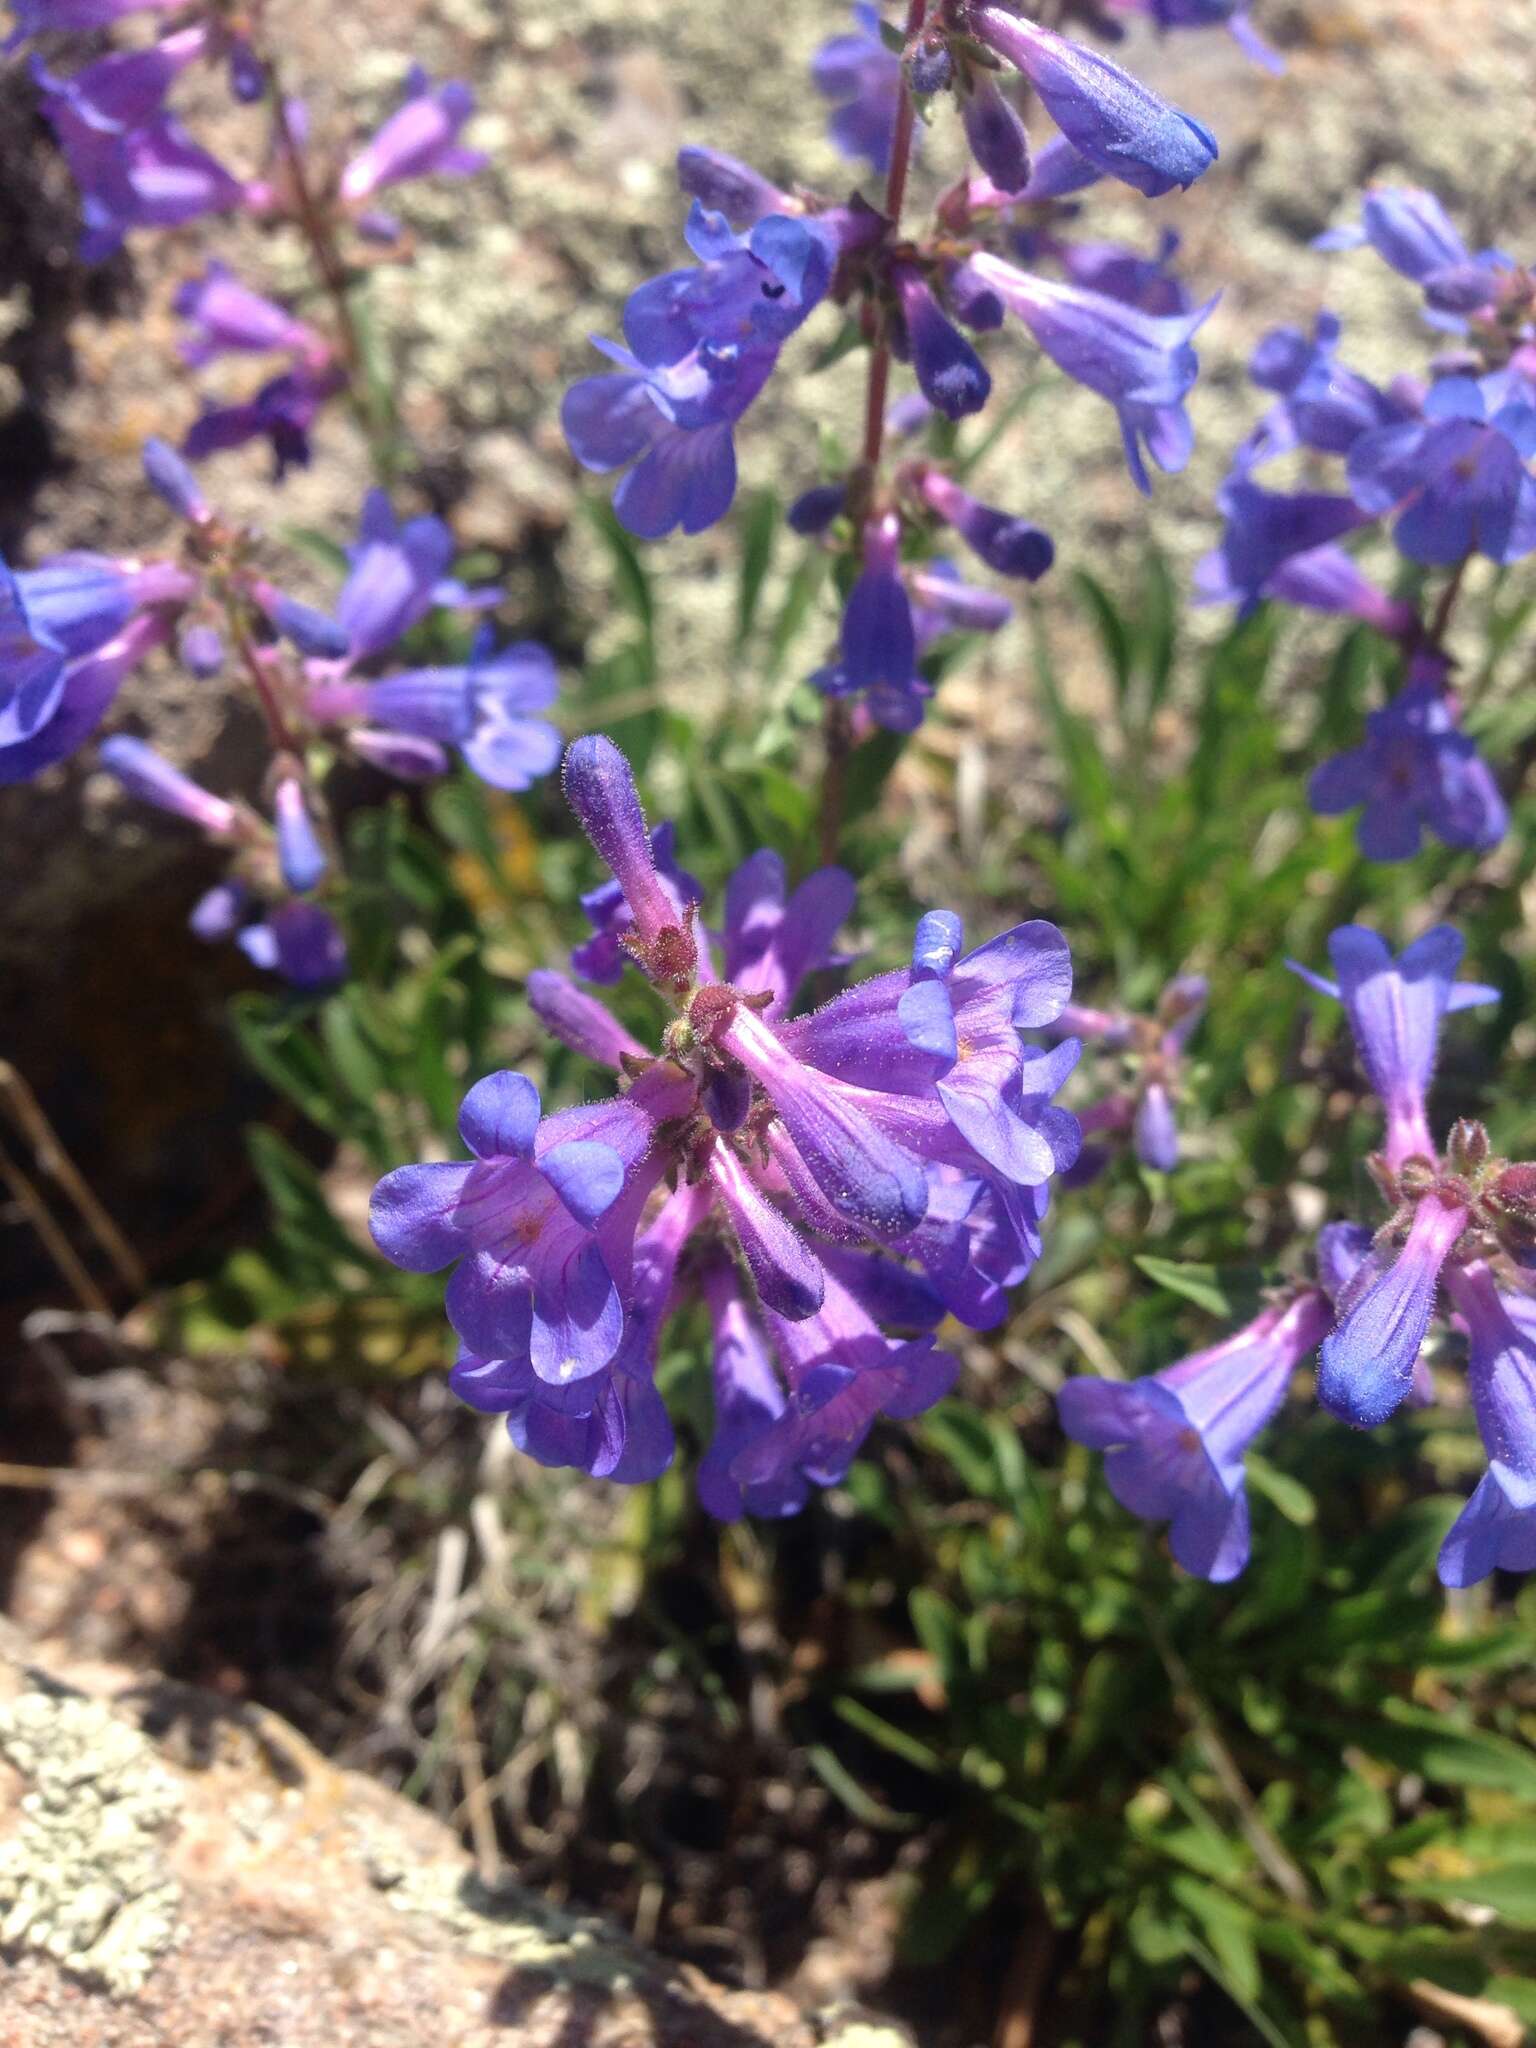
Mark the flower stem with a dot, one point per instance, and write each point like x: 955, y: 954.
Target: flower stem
x: 836, y: 728
x: 895, y: 200
x: 315, y: 225
x: 282, y: 740
x: 1440, y: 623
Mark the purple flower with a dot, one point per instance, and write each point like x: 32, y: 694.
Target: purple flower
x: 398, y: 573
x: 150, y: 777
x: 654, y: 921
x: 1323, y: 405
x: 579, y: 1020
x: 1114, y: 271
x: 774, y: 937
x: 1266, y: 531
x: 540, y: 1222
x: 1060, y: 172
x: 69, y: 607
x: 88, y: 689
x: 201, y: 649
x: 1459, y: 479
x: 943, y: 603
x: 224, y: 314
x: 1228, y: 14
x: 996, y: 134
x: 1110, y: 118
x: 1496, y: 1530
x: 950, y: 374
x: 70, y: 631
x: 311, y: 631
x: 300, y: 855
x: 602, y: 957
x: 282, y: 412
x: 1416, y: 772
x: 611, y: 1424
x: 1323, y: 579
x: 702, y: 343
x: 681, y: 476
x: 64, y: 17
x: 419, y: 140
x: 865, y: 1168
x: 1176, y: 1440
x: 1154, y: 1048
x: 481, y: 707
x: 1368, y: 1360
x: 896, y: 615
x: 1342, y: 1253
x: 1410, y: 230
x: 1010, y: 546
x: 134, y: 164
x: 842, y: 1371
x: 879, y: 648
x: 863, y: 79
x: 1395, y: 1009
x: 817, y: 508
x: 752, y: 288
x: 218, y: 911
x: 724, y: 184
x: 749, y: 1400
x: 174, y: 482
x: 1142, y: 363
x: 299, y: 941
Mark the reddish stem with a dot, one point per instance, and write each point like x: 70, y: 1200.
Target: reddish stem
x: 315, y: 224
x: 283, y: 741
x: 836, y: 727
x: 895, y: 200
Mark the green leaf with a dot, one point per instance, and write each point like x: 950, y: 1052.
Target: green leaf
x: 319, y: 547
x: 869, y: 765
x: 888, y: 1736
x: 794, y: 610
x: 759, y: 524
x: 1200, y: 1284
x: 1508, y: 1890
x: 1293, y: 1499
x: 632, y: 583
x: 1157, y: 638
x: 939, y: 1630
x: 848, y: 337
x: 282, y: 1051
x: 1114, y: 634
x: 842, y: 1784
x: 1413, y: 1739
x: 303, y: 1216
x: 1228, y: 1927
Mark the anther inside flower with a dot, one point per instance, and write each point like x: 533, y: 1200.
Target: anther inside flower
x: 840, y: 1179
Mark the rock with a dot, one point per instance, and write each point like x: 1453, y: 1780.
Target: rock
x: 178, y: 1873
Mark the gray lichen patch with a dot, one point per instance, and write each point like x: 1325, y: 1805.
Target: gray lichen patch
x: 509, y: 1924
x: 82, y: 1877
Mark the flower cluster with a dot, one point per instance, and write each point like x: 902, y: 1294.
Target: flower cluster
x: 137, y: 167
x: 76, y: 627
x: 700, y: 344
x: 832, y: 1183
x: 1445, y: 464
x: 1149, y: 1054
x: 1458, y: 1244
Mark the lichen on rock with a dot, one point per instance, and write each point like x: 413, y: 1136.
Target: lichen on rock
x: 83, y: 1877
